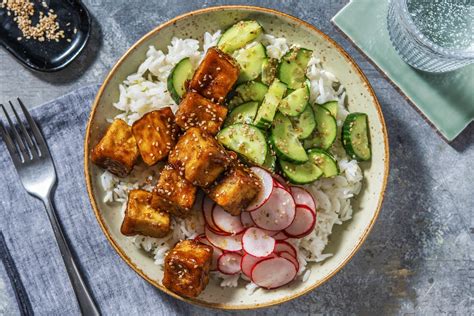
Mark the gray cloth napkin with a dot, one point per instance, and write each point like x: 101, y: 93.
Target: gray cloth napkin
x: 117, y: 289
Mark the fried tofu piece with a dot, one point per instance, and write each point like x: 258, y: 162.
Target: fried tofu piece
x: 178, y: 194
x: 215, y: 76
x: 117, y: 151
x: 197, y: 111
x: 156, y: 133
x: 236, y: 189
x: 143, y: 217
x: 199, y: 157
x: 187, y: 268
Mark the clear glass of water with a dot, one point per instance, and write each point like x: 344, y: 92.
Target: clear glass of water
x: 433, y: 35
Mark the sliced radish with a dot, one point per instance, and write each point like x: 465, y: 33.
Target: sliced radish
x: 281, y: 181
x: 273, y: 272
x: 199, y: 237
x: 257, y: 242
x: 246, y: 219
x: 303, y: 197
x: 303, y: 224
x: 229, y: 263
x: 267, y: 188
x: 207, y: 206
x: 280, y: 236
x: 249, y: 261
x: 229, y: 243
x: 293, y: 260
x: 282, y: 245
x: 225, y: 221
x: 277, y: 213
x: 216, y: 251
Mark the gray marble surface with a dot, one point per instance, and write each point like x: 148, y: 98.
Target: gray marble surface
x: 418, y: 258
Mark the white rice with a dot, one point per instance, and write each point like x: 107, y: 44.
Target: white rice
x: 146, y: 90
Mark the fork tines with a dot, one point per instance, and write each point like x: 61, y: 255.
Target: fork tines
x: 24, y: 142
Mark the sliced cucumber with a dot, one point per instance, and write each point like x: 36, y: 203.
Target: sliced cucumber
x: 300, y: 174
x: 325, y: 161
x: 332, y: 107
x: 325, y: 132
x: 304, y: 124
x: 285, y: 140
x: 239, y: 35
x: 355, y: 136
x: 269, y: 69
x: 266, y: 111
x: 244, y: 113
x: 295, y: 103
x: 177, y: 78
x: 248, y: 91
x: 270, y: 161
x: 246, y: 140
x: 292, y: 67
x: 250, y: 61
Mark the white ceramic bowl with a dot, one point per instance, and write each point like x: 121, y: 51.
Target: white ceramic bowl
x: 345, y: 239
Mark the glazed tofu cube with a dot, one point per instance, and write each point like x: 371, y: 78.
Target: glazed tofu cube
x: 156, y: 133
x: 199, y: 157
x: 187, y: 268
x: 142, y: 216
x: 178, y: 195
x: 215, y: 76
x: 117, y: 151
x: 235, y: 190
x: 197, y: 111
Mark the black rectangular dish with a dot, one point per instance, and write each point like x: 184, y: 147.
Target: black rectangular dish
x: 48, y: 55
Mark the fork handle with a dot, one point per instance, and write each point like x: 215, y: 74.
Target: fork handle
x: 86, y: 303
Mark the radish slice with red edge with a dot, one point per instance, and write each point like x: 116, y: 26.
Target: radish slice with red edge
x: 229, y: 243
x: 229, y: 263
x: 257, y: 242
x: 246, y: 219
x: 281, y: 181
x: 207, y: 206
x: 303, y: 197
x: 273, y: 272
x: 277, y: 213
x: 216, y: 253
x: 280, y: 236
x: 225, y: 221
x: 267, y: 188
x: 249, y: 261
x: 282, y: 245
x: 303, y: 224
x: 293, y: 260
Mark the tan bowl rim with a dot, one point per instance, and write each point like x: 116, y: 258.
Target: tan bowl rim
x: 88, y: 176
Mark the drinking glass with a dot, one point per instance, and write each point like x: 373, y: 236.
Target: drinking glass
x: 433, y: 35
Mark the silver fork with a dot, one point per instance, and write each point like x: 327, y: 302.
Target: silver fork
x: 34, y: 165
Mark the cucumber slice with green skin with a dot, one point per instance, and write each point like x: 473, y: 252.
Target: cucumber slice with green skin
x: 250, y: 61
x: 292, y: 67
x: 332, y: 107
x: 325, y: 161
x: 355, y: 136
x: 182, y: 72
x: 296, y: 102
x: 269, y: 69
x: 304, y: 124
x: 266, y: 111
x: 285, y: 141
x: 270, y: 161
x: 244, y: 113
x: 239, y: 35
x: 325, y: 132
x: 248, y: 91
x: 246, y: 140
x: 300, y: 174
